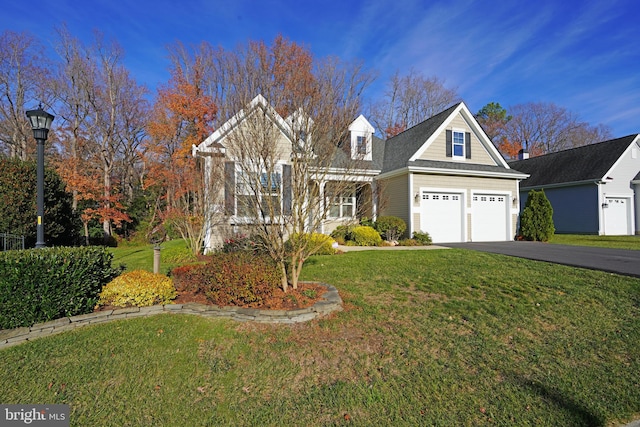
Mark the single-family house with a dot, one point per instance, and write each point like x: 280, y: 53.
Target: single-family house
x: 443, y: 176
x: 593, y: 189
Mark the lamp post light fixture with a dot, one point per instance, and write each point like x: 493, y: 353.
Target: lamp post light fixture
x: 40, y: 124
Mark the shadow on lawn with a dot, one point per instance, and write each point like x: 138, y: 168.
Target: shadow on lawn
x: 580, y: 413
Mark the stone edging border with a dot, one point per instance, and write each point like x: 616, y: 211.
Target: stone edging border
x: 329, y: 303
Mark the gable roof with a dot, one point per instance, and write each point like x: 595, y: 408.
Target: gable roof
x: 399, y: 149
x: 403, y: 150
x: 587, y: 163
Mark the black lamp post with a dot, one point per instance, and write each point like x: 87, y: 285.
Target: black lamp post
x: 40, y: 123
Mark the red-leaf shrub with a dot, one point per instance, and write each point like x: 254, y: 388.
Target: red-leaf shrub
x: 236, y: 278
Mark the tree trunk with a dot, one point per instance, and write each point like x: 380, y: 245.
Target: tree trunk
x: 285, y: 283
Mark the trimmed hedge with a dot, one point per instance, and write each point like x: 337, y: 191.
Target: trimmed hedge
x: 39, y: 285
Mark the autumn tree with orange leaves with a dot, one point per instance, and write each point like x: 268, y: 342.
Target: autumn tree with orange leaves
x: 182, y: 117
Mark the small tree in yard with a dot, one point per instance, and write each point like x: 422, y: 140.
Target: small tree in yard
x: 536, y: 221
x: 287, y: 145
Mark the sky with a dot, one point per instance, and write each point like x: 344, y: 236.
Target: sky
x: 582, y: 55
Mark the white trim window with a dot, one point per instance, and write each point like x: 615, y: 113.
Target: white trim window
x: 342, y: 201
x: 265, y: 187
x: 458, y: 144
x: 361, y: 145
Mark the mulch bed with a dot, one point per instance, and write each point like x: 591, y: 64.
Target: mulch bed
x: 305, y: 296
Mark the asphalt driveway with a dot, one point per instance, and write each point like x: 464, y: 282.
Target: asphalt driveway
x: 620, y: 261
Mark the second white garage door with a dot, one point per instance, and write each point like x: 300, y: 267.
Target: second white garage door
x: 441, y: 216
x: 489, y: 218
x: 616, y: 216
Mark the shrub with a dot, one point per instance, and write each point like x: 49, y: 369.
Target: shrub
x: 391, y: 227
x: 242, y: 242
x: 234, y: 278
x: 188, y: 278
x: 18, y: 207
x: 536, y: 221
x: 342, y: 234
x: 138, y: 288
x: 366, y: 236
x: 408, y: 242
x: 317, y: 244
x: 38, y: 285
x: 423, y: 238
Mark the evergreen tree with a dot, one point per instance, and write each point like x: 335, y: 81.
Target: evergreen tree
x: 536, y: 221
x: 18, y: 183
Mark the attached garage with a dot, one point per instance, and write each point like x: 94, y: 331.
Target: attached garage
x: 616, y: 216
x: 441, y: 215
x: 489, y: 218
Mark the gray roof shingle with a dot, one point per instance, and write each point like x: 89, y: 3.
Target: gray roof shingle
x: 399, y: 149
x: 589, y: 162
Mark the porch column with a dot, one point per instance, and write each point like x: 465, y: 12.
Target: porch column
x: 374, y: 200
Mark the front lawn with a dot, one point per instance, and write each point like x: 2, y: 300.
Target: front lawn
x: 616, y: 242
x: 439, y: 337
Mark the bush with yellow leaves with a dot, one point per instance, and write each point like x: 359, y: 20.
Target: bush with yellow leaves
x: 138, y: 288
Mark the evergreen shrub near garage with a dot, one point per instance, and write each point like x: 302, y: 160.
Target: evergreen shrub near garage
x: 536, y: 220
x: 39, y: 285
x: 391, y: 227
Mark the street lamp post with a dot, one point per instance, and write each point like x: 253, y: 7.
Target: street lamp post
x: 40, y: 124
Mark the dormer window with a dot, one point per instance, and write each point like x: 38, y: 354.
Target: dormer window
x: 361, y: 144
x: 361, y: 135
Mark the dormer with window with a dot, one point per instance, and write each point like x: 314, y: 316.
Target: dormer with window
x: 361, y: 134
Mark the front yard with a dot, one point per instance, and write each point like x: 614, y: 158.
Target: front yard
x: 440, y: 337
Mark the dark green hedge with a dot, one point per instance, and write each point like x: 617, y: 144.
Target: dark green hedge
x: 39, y: 285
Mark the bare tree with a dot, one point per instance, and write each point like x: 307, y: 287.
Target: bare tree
x: 288, y: 144
x: 545, y: 127
x: 72, y: 86
x: 409, y: 100
x: 22, y: 73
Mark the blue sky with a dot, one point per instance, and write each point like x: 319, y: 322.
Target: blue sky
x: 581, y: 55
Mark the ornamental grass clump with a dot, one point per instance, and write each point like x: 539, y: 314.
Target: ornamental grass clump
x: 138, y: 288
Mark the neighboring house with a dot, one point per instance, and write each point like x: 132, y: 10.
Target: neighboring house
x: 593, y: 189
x: 443, y: 176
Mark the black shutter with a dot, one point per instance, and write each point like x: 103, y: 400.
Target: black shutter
x: 467, y: 145
x: 229, y: 188
x: 286, y: 189
x: 449, y: 144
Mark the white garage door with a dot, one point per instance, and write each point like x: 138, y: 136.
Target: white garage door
x: 616, y: 219
x: 441, y: 216
x: 489, y: 218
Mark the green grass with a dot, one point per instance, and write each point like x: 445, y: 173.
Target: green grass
x: 441, y: 337
x: 172, y: 254
x: 616, y: 242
